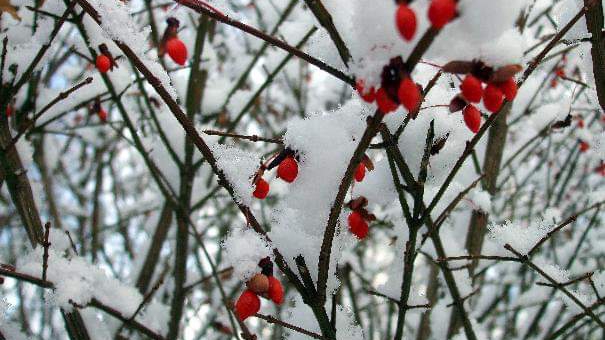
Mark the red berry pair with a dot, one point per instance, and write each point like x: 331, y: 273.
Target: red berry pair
x: 262, y: 284
x: 493, y: 95
x: 359, y: 217
x: 287, y: 170
x: 440, y: 13
x: 408, y: 95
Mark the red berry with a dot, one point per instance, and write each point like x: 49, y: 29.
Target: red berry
x: 406, y: 22
x: 288, y: 169
x: 9, y: 110
x: 358, y: 225
x: 554, y: 82
x: 493, y: 98
x: 276, y: 291
x: 560, y: 72
x: 441, y: 12
x: 360, y: 172
x: 262, y: 189
x: 581, y: 123
x: 471, y: 89
x: 177, y: 50
x: 1, y: 280
x: 369, y: 95
x: 409, y: 94
x: 384, y: 102
x: 584, y: 146
x: 247, y: 305
x: 509, y: 88
x: 472, y: 118
x: 102, y: 115
x: 103, y: 63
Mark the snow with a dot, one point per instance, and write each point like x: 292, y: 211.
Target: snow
x: 244, y: 248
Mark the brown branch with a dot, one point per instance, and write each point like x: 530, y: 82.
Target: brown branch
x: 325, y: 19
x: 271, y: 319
x: 252, y: 138
x: 594, y: 24
x: 199, y: 7
x: 46, y: 245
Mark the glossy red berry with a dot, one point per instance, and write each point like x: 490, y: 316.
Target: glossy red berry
x: 102, y: 115
x: 509, y: 88
x: 493, y: 98
x: 360, y: 172
x: 358, y: 225
x: 177, y: 50
x: 262, y: 189
x: 276, y: 291
x: 471, y: 89
x: 368, y: 95
x: 384, y: 102
x: 405, y: 19
x: 441, y: 12
x: 103, y: 63
x: 472, y: 118
x: 584, y: 146
x: 409, y: 94
x: 247, y: 305
x: 288, y: 169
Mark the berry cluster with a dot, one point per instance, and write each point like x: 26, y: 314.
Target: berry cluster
x: 359, y: 217
x: 481, y: 82
x: 287, y: 169
x: 262, y: 284
x: 440, y: 13
x: 397, y: 88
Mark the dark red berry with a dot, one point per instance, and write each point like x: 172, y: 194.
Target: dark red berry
x: 471, y: 89
x: 276, y: 291
x: 288, y: 169
x: 102, y: 115
x: 584, y: 146
x: 405, y: 19
x: 509, y: 88
x: 247, y: 305
x: 9, y: 110
x: 384, y: 102
x: 358, y: 225
x: 441, y: 12
x: 177, y: 50
x: 262, y: 189
x: 493, y: 98
x: 472, y: 118
x: 367, y: 95
x: 409, y: 94
x: 103, y: 63
x: 360, y: 172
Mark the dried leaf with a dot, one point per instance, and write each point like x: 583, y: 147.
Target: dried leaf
x: 458, y: 67
x: 5, y: 6
x: 504, y: 73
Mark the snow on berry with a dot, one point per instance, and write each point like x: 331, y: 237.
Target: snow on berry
x: 243, y: 249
